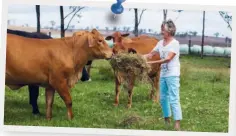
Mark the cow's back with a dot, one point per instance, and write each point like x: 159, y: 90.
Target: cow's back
x: 24, y: 59
x: 142, y: 46
x: 29, y: 34
x: 29, y: 60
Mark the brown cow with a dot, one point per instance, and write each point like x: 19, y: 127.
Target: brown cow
x: 55, y: 64
x: 141, y: 45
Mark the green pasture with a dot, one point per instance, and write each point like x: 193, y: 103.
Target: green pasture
x: 204, y: 95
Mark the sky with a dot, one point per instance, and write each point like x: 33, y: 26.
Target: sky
x: 92, y: 17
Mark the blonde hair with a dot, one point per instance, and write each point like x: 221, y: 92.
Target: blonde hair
x: 169, y: 27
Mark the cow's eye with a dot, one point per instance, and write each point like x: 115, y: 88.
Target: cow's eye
x: 100, y: 41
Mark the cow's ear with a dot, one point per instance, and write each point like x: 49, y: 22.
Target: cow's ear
x: 90, y: 40
x: 125, y: 35
x: 74, y: 34
x: 94, y: 31
x: 108, y: 37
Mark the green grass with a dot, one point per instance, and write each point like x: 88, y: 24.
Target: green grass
x: 204, y: 96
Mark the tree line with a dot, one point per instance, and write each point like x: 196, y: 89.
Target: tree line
x: 138, y: 13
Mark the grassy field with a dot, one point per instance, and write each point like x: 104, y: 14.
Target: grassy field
x: 204, y: 96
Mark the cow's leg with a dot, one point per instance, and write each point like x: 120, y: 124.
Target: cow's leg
x: 65, y: 95
x: 130, y: 91
x: 117, y: 89
x: 63, y: 90
x: 33, y: 98
x: 49, y: 101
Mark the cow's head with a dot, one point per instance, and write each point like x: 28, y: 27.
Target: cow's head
x: 95, y: 44
x: 117, y: 38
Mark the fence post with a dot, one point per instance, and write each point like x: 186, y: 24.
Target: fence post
x: 189, y: 46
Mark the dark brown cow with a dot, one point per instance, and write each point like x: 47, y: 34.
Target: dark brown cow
x: 141, y: 45
x: 55, y: 64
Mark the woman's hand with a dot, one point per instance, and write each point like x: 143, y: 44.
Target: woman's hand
x: 166, y: 60
x: 147, y: 56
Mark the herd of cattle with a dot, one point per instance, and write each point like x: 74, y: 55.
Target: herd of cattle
x: 37, y: 60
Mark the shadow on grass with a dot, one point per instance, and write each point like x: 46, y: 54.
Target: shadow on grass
x: 108, y: 98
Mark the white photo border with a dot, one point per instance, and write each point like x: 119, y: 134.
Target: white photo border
x: 107, y: 4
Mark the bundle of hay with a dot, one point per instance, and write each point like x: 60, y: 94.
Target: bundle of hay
x: 131, y: 120
x: 132, y: 65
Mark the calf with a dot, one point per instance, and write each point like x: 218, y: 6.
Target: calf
x: 55, y: 64
x: 140, y: 45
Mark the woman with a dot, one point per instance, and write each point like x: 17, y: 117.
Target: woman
x: 168, y: 49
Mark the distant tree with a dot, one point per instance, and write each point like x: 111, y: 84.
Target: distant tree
x: 97, y: 27
x: 144, y: 31
x: 62, y: 21
x: 217, y: 34
x: 114, y: 28
x: 194, y: 33
x: 227, y: 18
x: 226, y: 41
x: 53, y: 23
x: 185, y: 34
x: 73, y: 27
x: 75, y: 11
x: 128, y: 29
x: 140, y: 31
x: 38, y: 17
x: 124, y: 28
x: 8, y: 22
x: 137, y: 20
x: 149, y: 30
x: 107, y: 28
x: 165, y: 11
x: 177, y: 34
x: 87, y: 28
x: 190, y: 33
x: 46, y: 27
x: 230, y: 40
x: 179, y: 11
